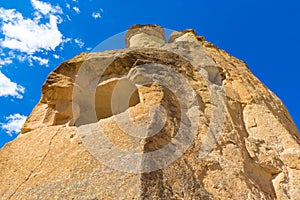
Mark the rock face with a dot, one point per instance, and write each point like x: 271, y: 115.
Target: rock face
x: 157, y: 120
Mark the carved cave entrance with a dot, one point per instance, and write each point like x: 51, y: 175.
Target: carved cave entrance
x: 115, y: 96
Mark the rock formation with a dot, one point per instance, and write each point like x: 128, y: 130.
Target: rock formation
x: 157, y: 120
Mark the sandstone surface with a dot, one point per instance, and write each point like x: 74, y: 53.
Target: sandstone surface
x: 179, y: 120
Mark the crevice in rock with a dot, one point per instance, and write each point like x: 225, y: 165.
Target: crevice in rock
x: 195, y: 183
x: 170, y: 129
x: 284, y: 180
x: 36, y: 167
x: 252, y: 170
x: 152, y: 185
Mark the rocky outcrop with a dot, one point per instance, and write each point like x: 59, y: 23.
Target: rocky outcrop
x: 157, y: 120
x: 145, y: 36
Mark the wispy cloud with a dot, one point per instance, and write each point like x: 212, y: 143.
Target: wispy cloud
x: 9, y: 88
x: 5, y: 61
x: 79, y: 42
x: 45, y: 8
x: 76, y: 9
x: 13, y: 123
x: 98, y: 14
x: 41, y: 61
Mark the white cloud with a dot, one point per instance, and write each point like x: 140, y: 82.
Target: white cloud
x: 10, y: 15
x: 66, y: 40
x: 29, y: 39
x: 22, y: 58
x: 45, y: 8
x: 68, y: 17
x: 9, y: 88
x: 79, y: 42
x: 30, y: 35
x: 5, y: 61
x: 41, y: 61
x: 96, y: 15
x: 13, y: 123
x: 31, y: 59
x: 76, y: 9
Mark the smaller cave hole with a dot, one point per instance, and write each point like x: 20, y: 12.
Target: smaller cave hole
x: 115, y: 96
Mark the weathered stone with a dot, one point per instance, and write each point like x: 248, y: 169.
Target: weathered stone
x: 96, y: 129
x: 151, y: 36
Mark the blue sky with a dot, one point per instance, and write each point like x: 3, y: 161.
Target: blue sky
x: 35, y: 36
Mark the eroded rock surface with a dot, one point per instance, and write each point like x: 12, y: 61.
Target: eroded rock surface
x: 245, y: 145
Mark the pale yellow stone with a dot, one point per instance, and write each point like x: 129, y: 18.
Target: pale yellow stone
x: 256, y: 155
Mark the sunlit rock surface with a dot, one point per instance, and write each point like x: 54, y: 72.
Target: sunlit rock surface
x: 245, y: 145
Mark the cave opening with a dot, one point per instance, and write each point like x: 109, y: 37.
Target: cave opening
x: 115, y: 96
